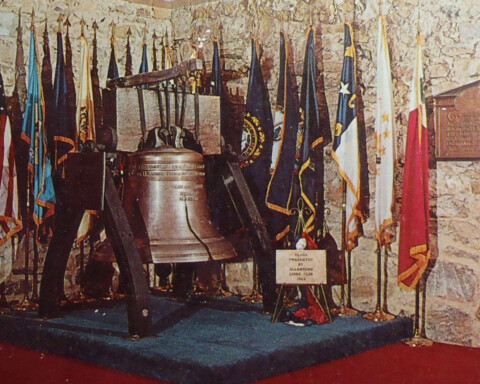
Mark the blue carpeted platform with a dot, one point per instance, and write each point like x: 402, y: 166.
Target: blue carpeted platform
x: 226, y: 341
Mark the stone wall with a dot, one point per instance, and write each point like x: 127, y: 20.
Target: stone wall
x: 451, y: 59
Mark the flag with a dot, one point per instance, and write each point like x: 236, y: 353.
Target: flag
x: 96, y: 92
x: 345, y: 144
x: 10, y: 219
x: 414, y: 248
x: 33, y: 132
x: 128, y: 55
x: 257, y: 134
x: 167, y: 61
x: 85, y: 122
x: 216, y: 81
x: 112, y: 65
x: 280, y: 187
x: 63, y: 134
x: 16, y: 108
x: 316, y: 134
x: 20, y: 90
x: 144, y: 64
x: 85, y: 117
x: 71, y: 92
x: 47, y: 88
x: 154, y: 53
x: 384, y: 134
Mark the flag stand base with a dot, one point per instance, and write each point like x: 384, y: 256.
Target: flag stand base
x: 418, y: 341
x: 81, y: 299
x: 4, y: 309
x: 379, y: 315
x: 222, y: 292
x: 26, y: 305
x: 254, y: 297
x: 344, y: 311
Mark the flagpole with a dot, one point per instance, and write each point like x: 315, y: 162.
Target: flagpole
x: 345, y: 309
x: 4, y: 308
x: 35, y: 268
x: 380, y: 313
x: 385, y: 283
x: 26, y: 304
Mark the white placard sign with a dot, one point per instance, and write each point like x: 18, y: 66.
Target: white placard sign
x: 296, y: 267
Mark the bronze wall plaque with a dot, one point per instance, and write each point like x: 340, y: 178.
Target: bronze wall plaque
x: 457, y: 123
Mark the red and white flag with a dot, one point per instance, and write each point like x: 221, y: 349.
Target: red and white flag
x: 10, y: 219
x: 414, y: 247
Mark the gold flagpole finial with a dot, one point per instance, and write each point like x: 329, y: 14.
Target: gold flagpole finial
x: 59, y: 21
x: 82, y: 27
x: 67, y: 25
x: 165, y: 38
x: 418, y: 17
x: 45, y: 32
x: 145, y: 34
x: 310, y: 14
x: 33, y: 17
x: 95, y: 26
x: 112, y: 26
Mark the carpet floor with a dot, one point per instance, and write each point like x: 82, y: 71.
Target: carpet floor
x: 226, y: 341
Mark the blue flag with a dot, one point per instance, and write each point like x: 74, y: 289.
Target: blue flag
x: 144, y: 63
x: 346, y: 143
x: 33, y: 132
x: 257, y: 134
x: 112, y: 65
x: 315, y: 134
x: 64, y: 134
x: 216, y: 71
x: 280, y: 194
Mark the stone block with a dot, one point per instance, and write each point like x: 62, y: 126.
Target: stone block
x: 452, y: 281
x: 8, y: 23
x: 450, y: 325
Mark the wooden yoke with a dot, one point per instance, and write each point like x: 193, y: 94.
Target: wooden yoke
x: 89, y: 186
x: 136, y: 104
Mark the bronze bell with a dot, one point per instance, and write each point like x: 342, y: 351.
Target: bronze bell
x: 165, y: 202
